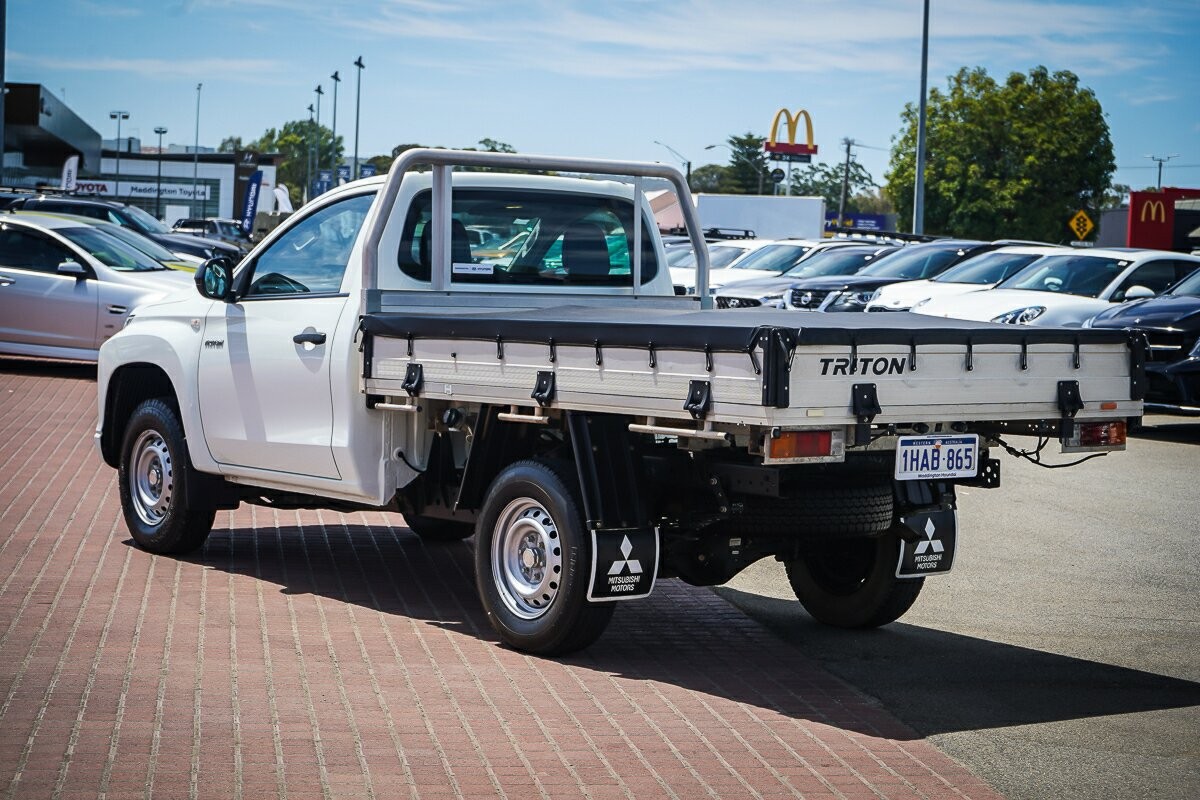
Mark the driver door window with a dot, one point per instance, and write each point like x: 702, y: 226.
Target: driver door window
x: 311, y: 257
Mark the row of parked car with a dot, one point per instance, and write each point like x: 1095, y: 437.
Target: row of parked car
x: 1006, y: 282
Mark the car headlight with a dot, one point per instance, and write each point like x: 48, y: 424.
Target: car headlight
x: 853, y: 299
x: 920, y: 303
x: 875, y: 295
x: 772, y: 300
x: 1020, y: 316
x: 1195, y: 350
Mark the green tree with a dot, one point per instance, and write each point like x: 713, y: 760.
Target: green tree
x: 825, y: 180
x: 708, y: 178
x: 305, y: 147
x: 1005, y: 160
x: 230, y: 144
x: 748, y: 171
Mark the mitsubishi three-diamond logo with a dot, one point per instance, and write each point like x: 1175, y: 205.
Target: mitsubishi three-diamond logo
x: 926, y: 544
x: 632, y: 564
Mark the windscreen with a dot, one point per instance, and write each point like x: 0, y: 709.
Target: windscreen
x: 719, y: 256
x: 777, y: 258
x: 835, y: 261
x: 144, y: 222
x: 111, y: 251
x: 1085, y: 276
x: 1189, y: 286
x: 135, y: 239
x: 913, y: 263
x: 987, y: 268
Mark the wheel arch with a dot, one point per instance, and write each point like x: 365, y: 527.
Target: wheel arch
x: 128, y: 386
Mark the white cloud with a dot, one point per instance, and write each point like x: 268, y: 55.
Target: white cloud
x: 210, y: 68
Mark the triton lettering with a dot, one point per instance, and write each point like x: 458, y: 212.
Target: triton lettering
x: 863, y: 366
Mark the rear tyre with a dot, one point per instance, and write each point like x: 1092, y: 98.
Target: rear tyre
x: 533, y: 560
x: 153, y: 476
x: 432, y: 529
x: 852, y: 583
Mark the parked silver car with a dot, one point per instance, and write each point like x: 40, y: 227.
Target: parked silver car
x: 65, y: 287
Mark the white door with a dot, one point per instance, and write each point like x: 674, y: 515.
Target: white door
x: 264, y: 388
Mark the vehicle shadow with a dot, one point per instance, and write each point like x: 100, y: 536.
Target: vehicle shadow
x: 47, y: 368
x: 692, y: 638
x: 1181, y: 430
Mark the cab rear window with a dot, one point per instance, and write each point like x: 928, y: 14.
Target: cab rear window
x: 529, y: 238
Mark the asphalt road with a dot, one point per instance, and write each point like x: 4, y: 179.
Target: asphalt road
x: 1061, y: 657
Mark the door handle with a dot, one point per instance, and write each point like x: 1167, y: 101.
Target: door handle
x: 309, y: 337
x: 115, y: 309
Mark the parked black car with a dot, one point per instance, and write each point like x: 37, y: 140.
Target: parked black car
x: 1171, y: 323
x: 912, y: 263
x: 218, y: 228
x: 129, y: 217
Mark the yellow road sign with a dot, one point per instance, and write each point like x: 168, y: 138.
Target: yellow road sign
x: 1081, y: 223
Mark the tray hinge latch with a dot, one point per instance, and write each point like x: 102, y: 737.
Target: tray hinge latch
x: 414, y: 379
x: 543, y: 390
x: 865, y: 404
x: 699, y: 399
x: 1069, y: 403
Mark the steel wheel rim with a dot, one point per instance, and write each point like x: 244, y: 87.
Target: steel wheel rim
x: 151, y: 478
x: 526, y: 558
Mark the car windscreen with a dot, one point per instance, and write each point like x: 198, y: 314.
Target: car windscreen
x: 719, y: 256
x: 777, y: 258
x: 913, y: 263
x: 144, y: 222
x: 111, y: 251
x: 1085, y: 276
x: 1189, y: 286
x: 835, y: 261
x: 135, y: 239
x: 987, y: 268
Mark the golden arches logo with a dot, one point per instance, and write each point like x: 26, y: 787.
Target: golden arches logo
x: 792, y: 121
x: 1157, y: 211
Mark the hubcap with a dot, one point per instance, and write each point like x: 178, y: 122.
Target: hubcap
x: 526, y: 558
x: 151, y: 478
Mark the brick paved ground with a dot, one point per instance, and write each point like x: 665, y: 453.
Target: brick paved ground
x: 326, y: 655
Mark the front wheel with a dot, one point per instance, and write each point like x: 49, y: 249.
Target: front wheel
x: 533, y: 561
x: 153, y: 477
x: 853, y: 583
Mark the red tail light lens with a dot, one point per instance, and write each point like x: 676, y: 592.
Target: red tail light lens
x: 1101, y: 434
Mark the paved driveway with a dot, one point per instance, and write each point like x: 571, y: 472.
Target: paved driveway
x: 326, y: 655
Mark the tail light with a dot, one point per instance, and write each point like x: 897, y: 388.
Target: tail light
x: 796, y: 447
x: 1092, y: 437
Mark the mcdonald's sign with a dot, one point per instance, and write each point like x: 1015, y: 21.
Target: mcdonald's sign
x: 791, y: 147
x: 1154, y: 210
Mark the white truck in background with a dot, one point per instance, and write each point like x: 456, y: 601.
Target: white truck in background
x: 766, y: 216
x: 592, y: 430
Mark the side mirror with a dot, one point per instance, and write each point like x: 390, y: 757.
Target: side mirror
x: 214, y: 279
x: 72, y: 267
x: 1138, y: 293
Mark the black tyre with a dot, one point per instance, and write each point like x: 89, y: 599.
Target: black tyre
x: 432, y: 529
x: 852, y: 583
x: 153, y: 480
x: 533, y: 560
x: 827, y: 509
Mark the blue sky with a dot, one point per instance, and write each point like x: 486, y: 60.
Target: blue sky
x: 603, y: 79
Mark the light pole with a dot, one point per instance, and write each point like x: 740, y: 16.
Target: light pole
x: 160, y: 130
x: 118, y: 116
x: 1162, y: 160
x: 918, y: 225
x: 687, y: 163
x: 753, y: 165
x: 317, y: 132
x: 308, y: 156
x: 357, y: 104
x: 333, y: 156
x: 196, y: 148
x: 845, y: 181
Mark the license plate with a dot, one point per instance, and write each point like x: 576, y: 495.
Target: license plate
x: 937, y: 457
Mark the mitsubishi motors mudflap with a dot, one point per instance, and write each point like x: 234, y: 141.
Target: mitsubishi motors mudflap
x: 554, y: 399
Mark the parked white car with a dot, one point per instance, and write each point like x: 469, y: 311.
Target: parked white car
x: 66, y: 287
x: 721, y: 256
x: 972, y: 275
x: 1066, y: 289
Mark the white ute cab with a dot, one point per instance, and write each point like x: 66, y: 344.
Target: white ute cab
x: 1067, y: 289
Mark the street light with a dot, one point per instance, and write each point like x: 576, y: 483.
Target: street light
x: 196, y: 149
x: 357, y: 101
x: 160, y: 130
x: 754, y: 165
x: 118, y: 116
x: 308, y: 155
x: 918, y: 225
x: 317, y: 156
x: 687, y: 163
x: 333, y: 156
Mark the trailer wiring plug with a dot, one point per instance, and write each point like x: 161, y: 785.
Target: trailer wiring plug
x: 1035, y: 456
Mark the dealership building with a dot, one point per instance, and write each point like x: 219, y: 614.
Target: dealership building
x: 41, y: 133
